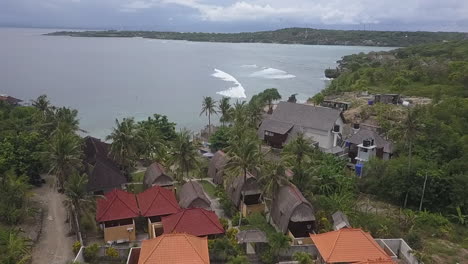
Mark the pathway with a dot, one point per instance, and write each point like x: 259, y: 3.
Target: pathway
x: 53, y: 246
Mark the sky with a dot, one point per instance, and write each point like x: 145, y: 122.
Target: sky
x: 237, y: 16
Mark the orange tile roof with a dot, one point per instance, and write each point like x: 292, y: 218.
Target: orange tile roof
x: 349, y: 245
x: 175, y: 249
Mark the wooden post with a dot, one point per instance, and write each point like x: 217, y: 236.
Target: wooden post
x: 423, y: 190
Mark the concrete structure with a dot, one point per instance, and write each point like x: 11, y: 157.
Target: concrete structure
x: 365, y: 144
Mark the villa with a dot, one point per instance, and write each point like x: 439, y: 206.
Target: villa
x: 246, y: 196
x: 191, y: 195
x: 156, y: 175
x: 195, y: 221
x: 216, y: 167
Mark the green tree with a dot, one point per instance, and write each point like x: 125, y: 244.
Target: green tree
x: 14, y: 249
x: 224, y: 108
x: 318, y: 99
x: 184, y: 155
x: 150, y: 144
x: 14, y: 192
x: 278, y: 242
x: 240, y: 259
x: 64, y: 156
x: 269, y: 96
x: 220, y: 139
x: 42, y: 104
x: 208, y: 108
x: 303, y: 258
x: 161, y: 123
x: 124, y: 144
x: 66, y: 120
x: 272, y: 178
x: 296, y: 153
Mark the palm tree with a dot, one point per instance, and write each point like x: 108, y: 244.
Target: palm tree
x: 224, y: 108
x: 184, y: 155
x: 14, y: 248
x: 410, y: 130
x: 64, y: 155
x: 151, y: 145
x: 66, y: 119
x: 277, y: 242
x: 272, y: 179
x: 269, y: 96
x: 42, y: 104
x: 124, y: 144
x: 296, y: 153
x: 208, y: 108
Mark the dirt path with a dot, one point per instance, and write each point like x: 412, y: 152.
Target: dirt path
x: 53, y: 246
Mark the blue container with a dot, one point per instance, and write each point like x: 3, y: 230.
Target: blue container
x: 370, y: 102
x: 358, y: 169
x: 348, y: 144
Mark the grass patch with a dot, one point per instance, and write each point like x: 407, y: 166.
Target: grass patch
x: 209, y: 188
x: 138, y: 176
x: 135, y: 188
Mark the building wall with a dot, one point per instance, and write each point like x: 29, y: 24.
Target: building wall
x: 299, y: 241
x: 253, y: 208
x: 400, y: 248
x: 120, y: 233
x: 151, y: 228
x: 324, y: 138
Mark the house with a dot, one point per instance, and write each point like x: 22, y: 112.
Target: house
x: 195, y: 221
x: 322, y: 125
x: 191, y: 195
x: 349, y: 245
x: 365, y: 144
x: 246, y: 195
x: 252, y: 240
x: 9, y: 99
x: 340, y: 105
x: 387, y: 98
x: 156, y: 175
x: 155, y: 203
x: 174, y: 249
x: 116, y: 213
x: 104, y: 174
x: 216, y: 167
x: 340, y: 220
x: 293, y: 215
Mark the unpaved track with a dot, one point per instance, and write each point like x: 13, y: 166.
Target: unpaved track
x: 53, y: 246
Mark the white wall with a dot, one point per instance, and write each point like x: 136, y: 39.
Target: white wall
x: 324, y: 138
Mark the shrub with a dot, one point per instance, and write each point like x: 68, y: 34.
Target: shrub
x: 414, y: 240
x: 112, y: 252
x: 76, y: 247
x: 231, y: 234
x: 235, y: 220
x: 224, y: 222
x: 303, y: 258
x: 91, y: 252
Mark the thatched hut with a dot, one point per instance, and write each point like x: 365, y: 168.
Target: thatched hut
x: 191, y: 195
x: 246, y: 195
x: 216, y: 167
x: 156, y: 175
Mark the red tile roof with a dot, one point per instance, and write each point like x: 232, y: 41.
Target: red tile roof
x: 175, y: 249
x: 157, y: 201
x: 116, y: 205
x: 351, y: 246
x: 195, y: 221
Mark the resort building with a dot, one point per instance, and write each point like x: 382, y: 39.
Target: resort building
x: 216, y: 167
x: 349, y: 245
x: 319, y: 124
x: 173, y: 249
x: 246, y: 195
x: 365, y: 144
x: 156, y: 175
x: 293, y: 215
x: 155, y: 203
x: 196, y: 221
x: 191, y: 195
x: 116, y: 213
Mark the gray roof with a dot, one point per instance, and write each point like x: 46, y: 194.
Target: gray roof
x: 251, y: 236
x: 288, y: 115
x: 216, y: 167
x: 191, y: 195
x: 340, y: 220
x: 363, y: 134
x: 156, y: 175
x: 238, y: 186
x: 290, y: 204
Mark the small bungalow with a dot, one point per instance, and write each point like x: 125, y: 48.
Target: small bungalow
x: 155, y: 203
x: 174, y: 249
x: 246, y: 196
x: 340, y: 105
x: 156, y: 175
x: 104, y: 174
x: 293, y: 215
x: 322, y: 125
x: 216, y: 167
x: 367, y: 143
x: 191, y: 195
x: 252, y: 240
x: 340, y: 220
x: 387, y: 98
x: 349, y: 245
x: 195, y: 221
x: 115, y: 213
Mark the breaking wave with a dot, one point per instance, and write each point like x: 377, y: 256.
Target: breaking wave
x: 252, y: 66
x: 272, y: 73
x: 326, y: 79
x: 236, y: 91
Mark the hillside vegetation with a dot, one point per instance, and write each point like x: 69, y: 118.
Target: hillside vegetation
x: 307, y: 36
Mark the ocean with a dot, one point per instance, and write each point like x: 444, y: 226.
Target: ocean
x: 113, y: 78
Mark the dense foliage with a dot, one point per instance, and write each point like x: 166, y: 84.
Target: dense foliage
x: 289, y: 36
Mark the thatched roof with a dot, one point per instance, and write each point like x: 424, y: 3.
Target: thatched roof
x: 216, y: 167
x: 251, y: 236
x: 93, y: 148
x: 104, y: 176
x: 290, y: 205
x: 156, y: 175
x: 379, y: 141
x: 191, y: 195
x: 237, y: 187
x: 340, y: 220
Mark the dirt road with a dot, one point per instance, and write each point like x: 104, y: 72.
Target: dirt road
x: 53, y: 246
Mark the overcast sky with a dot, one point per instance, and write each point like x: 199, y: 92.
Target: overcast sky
x: 234, y: 16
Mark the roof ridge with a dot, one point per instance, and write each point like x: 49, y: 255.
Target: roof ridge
x: 128, y: 206
x: 209, y: 218
x: 182, y: 213
x: 154, y: 197
x: 194, y: 248
x: 334, y: 244
x: 154, y: 248
x: 167, y: 198
x: 367, y: 235
x: 108, y: 204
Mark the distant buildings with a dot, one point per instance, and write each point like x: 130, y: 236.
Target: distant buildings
x: 9, y: 99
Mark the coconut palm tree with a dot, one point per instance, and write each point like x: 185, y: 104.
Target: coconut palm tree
x: 184, y: 155
x: 296, y: 153
x: 42, y: 104
x: 64, y: 155
x: 272, y: 178
x: 124, y: 143
x: 15, y: 249
x: 224, y: 108
x: 151, y: 144
x: 208, y: 108
x: 66, y: 119
x: 410, y: 129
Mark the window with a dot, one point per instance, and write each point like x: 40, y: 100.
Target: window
x: 364, y: 150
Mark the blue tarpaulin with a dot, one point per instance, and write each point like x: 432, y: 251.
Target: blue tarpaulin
x: 358, y: 169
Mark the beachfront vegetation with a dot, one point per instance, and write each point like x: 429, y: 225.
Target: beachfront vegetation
x: 308, y: 36
x: 208, y: 108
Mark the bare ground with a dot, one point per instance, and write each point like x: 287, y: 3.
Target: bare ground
x: 54, y: 246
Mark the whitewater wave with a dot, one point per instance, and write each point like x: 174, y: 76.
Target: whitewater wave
x: 272, y: 73
x: 326, y: 79
x: 236, y: 91
x: 251, y: 66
